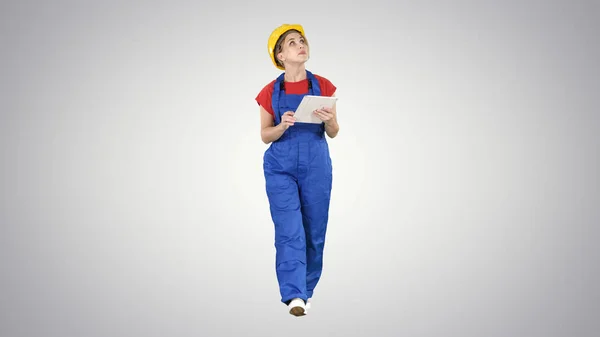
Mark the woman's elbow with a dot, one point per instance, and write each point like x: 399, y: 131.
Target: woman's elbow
x: 333, y: 134
x: 264, y: 138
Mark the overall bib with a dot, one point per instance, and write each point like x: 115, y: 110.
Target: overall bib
x: 298, y: 177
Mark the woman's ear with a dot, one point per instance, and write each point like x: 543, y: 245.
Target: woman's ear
x: 280, y: 57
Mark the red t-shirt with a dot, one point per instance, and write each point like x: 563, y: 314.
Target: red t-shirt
x: 295, y: 88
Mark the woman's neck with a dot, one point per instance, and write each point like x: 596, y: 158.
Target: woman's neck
x: 295, y: 73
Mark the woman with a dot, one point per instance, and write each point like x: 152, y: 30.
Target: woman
x: 297, y: 167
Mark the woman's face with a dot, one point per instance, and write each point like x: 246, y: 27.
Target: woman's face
x: 294, y: 49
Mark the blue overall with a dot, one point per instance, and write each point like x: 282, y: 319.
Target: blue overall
x: 298, y: 177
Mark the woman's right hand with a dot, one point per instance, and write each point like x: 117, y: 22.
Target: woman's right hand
x: 287, y: 120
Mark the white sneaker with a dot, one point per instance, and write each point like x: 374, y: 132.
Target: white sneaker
x: 308, y: 304
x: 297, y: 307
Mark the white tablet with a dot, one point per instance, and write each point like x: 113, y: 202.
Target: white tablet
x: 304, y: 113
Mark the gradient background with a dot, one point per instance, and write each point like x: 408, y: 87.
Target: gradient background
x: 466, y: 188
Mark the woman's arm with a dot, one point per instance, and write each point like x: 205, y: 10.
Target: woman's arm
x: 329, y: 117
x: 270, y: 133
x: 331, y: 126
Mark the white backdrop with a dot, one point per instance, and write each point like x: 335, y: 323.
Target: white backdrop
x: 465, y: 196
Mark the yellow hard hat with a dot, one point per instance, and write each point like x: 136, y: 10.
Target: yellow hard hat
x: 275, y: 36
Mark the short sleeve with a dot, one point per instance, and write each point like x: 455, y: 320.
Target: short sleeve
x: 264, y: 98
x: 327, y: 88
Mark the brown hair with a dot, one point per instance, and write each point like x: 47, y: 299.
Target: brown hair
x: 279, y: 45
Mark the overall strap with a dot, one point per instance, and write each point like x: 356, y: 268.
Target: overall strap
x: 315, y: 88
x: 275, y: 98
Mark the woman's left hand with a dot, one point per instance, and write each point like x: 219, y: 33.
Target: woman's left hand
x: 327, y: 115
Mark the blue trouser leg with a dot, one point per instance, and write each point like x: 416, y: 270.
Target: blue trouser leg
x: 315, y: 221
x: 290, y: 240
x: 315, y: 187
